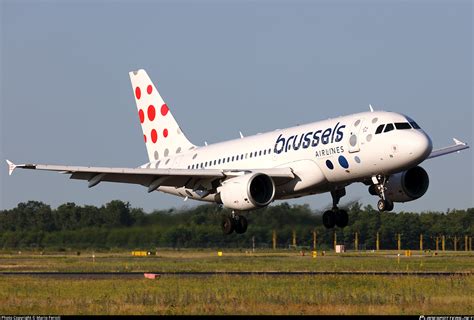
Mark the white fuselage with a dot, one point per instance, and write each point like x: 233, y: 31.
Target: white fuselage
x: 323, y: 155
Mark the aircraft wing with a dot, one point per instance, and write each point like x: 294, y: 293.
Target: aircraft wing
x: 151, y: 178
x: 456, y: 147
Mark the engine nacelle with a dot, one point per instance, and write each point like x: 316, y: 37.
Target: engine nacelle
x: 247, y: 192
x: 407, y: 185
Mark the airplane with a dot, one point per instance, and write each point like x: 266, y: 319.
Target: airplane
x: 380, y: 149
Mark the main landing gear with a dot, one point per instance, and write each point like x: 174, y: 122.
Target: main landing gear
x: 336, y: 216
x: 378, y: 188
x: 235, y: 223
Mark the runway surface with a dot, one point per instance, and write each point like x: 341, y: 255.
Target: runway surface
x: 101, y: 275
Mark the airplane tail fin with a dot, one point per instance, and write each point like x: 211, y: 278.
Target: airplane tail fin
x: 162, y: 134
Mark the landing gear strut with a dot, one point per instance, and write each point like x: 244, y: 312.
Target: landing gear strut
x: 336, y: 216
x: 235, y: 223
x: 379, y: 188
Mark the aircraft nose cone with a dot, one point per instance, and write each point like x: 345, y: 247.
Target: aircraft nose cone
x: 420, y: 146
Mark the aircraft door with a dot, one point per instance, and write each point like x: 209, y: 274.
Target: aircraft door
x: 355, y: 133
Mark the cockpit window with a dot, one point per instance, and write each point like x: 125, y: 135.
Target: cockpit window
x: 415, y: 125
x: 379, y: 129
x: 389, y: 127
x: 402, y: 125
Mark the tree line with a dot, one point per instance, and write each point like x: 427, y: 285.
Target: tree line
x: 117, y: 225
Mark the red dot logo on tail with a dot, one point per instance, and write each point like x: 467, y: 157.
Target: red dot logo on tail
x: 154, y: 136
x: 144, y: 137
x: 141, y: 115
x: 164, y: 109
x: 165, y: 133
x: 138, y: 93
x: 149, y: 89
x: 151, y: 112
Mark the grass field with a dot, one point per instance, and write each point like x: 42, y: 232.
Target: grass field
x: 207, y: 260
x: 224, y: 294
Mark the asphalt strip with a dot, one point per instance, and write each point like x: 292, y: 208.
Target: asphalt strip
x: 101, y: 275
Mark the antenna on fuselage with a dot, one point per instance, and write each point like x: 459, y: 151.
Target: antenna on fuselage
x: 241, y: 135
x: 371, y: 109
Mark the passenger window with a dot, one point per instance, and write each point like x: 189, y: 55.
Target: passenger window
x: 402, y: 125
x: 415, y: 125
x: 228, y: 159
x: 219, y: 161
x: 250, y: 154
x: 389, y: 127
x: 232, y: 158
x: 265, y: 152
x: 260, y: 153
x: 379, y: 129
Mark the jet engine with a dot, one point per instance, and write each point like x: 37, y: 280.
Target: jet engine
x: 247, y: 192
x: 407, y: 185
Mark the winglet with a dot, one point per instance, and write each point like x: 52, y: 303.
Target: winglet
x: 458, y: 142
x: 11, y: 167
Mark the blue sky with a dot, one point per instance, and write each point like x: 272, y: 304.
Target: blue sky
x: 225, y: 67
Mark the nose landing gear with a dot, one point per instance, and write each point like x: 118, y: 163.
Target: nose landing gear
x: 385, y: 205
x: 335, y: 216
x: 378, y: 188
